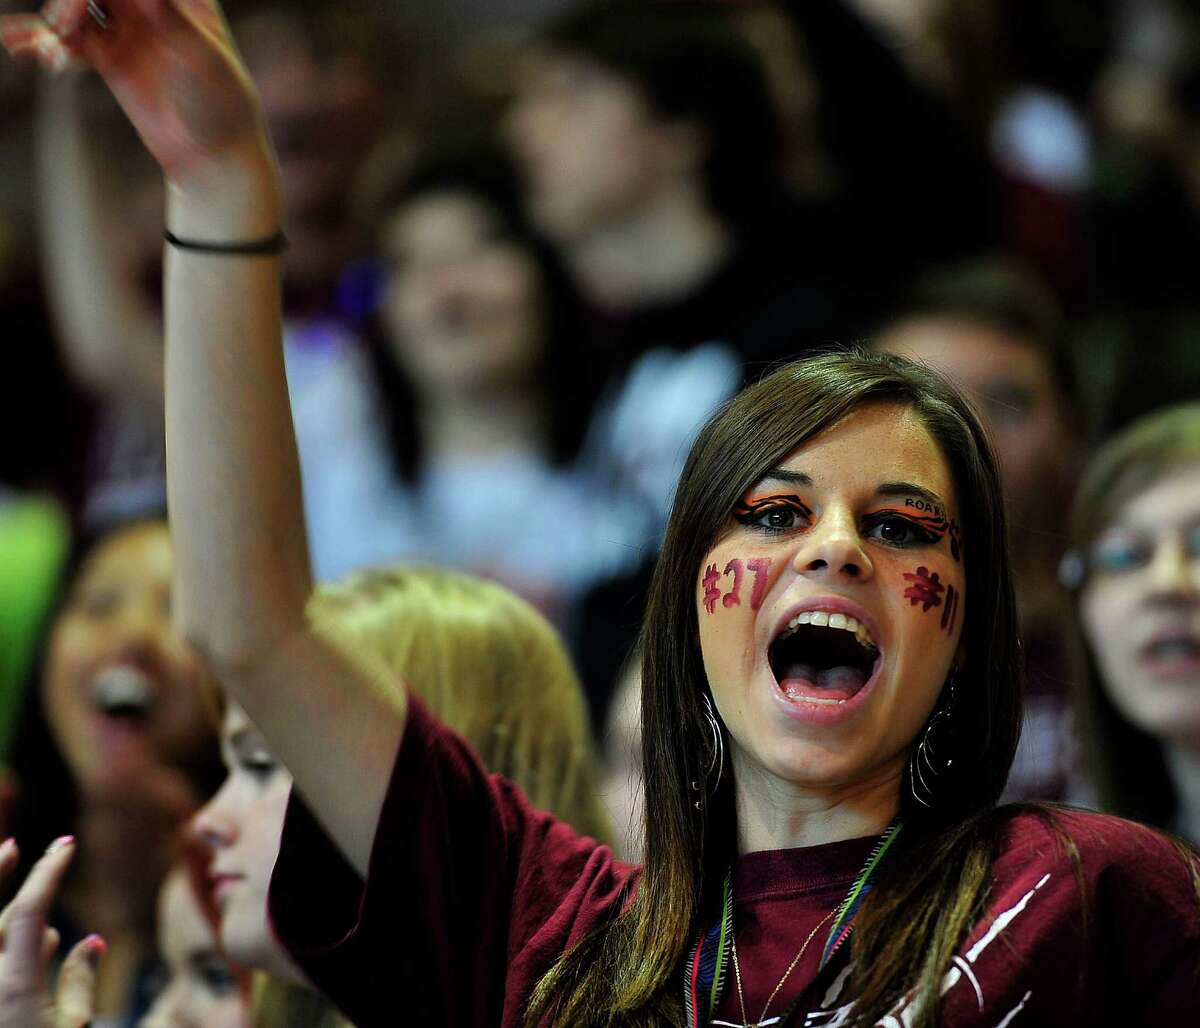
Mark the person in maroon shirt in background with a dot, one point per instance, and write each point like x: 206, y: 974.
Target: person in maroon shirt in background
x: 997, y: 334
x: 830, y: 675
x: 1134, y: 575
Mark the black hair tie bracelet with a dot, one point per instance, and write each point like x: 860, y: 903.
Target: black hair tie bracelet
x: 268, y: 247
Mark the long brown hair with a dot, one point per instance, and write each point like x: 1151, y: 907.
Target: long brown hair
x: 910, y: 925
x: 1125, y: 762
x: 487, y: 664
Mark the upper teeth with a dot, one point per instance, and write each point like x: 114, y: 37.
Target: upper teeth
x: 121, y: 687
x: 823, y: 619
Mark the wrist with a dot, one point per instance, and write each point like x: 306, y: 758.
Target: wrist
x: 233, y: 198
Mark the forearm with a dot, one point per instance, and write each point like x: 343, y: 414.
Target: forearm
x: 234, y: 488
x: 233, y: 476
x: 111, y: 338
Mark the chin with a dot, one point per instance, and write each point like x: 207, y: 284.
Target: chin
x: 806, y: 763
x: 246, y: 938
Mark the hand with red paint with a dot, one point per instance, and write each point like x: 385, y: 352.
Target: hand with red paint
x: 28, y: 944
x: 172, y: 66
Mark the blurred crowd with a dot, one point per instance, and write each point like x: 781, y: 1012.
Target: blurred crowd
x: 528, y: 256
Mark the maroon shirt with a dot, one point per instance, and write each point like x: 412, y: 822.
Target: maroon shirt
x: 471, y: 895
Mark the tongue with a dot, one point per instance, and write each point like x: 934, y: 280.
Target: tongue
x: 833, y: 683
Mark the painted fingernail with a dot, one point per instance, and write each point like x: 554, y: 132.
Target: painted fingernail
x: 50, y: 13
x: 61, y: 843
x: 96, y: 948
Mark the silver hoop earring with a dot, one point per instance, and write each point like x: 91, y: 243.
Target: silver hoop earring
x: 716, y: 761
x: 933, y: 756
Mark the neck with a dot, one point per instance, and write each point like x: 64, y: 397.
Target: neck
x: 127, y: 926
x: 458, y: 426
x: 774, y: 814
x: 658, y: 255
x: 1183, y: 764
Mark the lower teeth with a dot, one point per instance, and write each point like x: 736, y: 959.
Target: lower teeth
x: 793, y: 694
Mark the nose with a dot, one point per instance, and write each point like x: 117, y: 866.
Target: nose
x: 214, y: 825
x: 1174, y: 574
x: 833, y: 550
x: 143, y: 627
x: 519, y: 126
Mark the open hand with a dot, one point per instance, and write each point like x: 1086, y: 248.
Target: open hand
x: 27, y: 945
x: 171, y: 64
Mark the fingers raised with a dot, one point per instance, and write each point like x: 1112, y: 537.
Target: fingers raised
x: 8, y: 857
x: 76, y: 999
x: 24, y: 919
x: 28, y: 37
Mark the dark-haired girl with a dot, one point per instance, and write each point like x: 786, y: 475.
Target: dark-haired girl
x: 830, y: 690
x: 116, y: 745
x: 1134, y: 570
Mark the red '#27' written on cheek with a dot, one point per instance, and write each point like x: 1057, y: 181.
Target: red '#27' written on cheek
x: 735, y: 571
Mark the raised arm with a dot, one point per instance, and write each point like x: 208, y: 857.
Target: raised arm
x: 110, y: 335
x: 242, y: 572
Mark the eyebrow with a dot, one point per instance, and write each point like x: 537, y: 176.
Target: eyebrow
x: 895, y: 490
x: 247, y: 736
x: 888, y: 490
x: 785, y: 476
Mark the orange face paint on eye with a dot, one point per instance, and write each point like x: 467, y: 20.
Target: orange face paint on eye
x: 749, y: 511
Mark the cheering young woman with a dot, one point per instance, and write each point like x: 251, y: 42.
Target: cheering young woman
x: 830, y: 689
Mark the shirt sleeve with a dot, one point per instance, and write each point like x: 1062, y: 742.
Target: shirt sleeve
x: 470, y: 895
x: 1148, y: 907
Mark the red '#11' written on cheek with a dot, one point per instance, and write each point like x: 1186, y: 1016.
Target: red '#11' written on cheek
x: 950, y: 610
x: 925, y: 588
x: 735, y: 571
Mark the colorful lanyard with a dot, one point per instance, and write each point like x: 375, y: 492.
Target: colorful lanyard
x: 707, y: 967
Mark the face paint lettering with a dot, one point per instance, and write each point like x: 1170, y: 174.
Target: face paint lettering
x: 760, y: 566
x: 935, y: 522
x: 950, y: 610
x: 782, y: 506
x: 926, y: 589
x: 736, y: 569
x: 711, y: 592
x: 925, y: 507
x: 733, y: 597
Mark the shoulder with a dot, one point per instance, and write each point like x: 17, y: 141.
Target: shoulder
x: 1096, y: 843
x: 1121, y: 871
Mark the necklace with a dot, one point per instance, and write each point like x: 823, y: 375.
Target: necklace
x: 704, y: 974
x: 737, y: 974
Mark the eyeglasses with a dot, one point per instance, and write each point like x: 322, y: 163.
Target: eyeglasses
x: 1125, y: 553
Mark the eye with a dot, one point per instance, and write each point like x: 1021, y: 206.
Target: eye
x: 214, y: 974
x: 259, y: 763
x: 1121, y: 554
x: 97, y: 602
x: 778, y: 519
x: 774, y: 514
x: 898, y: 530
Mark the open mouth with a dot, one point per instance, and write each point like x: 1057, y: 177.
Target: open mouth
x: 1174, y: 648
x: 123, y: 693
x: 823, y: 658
